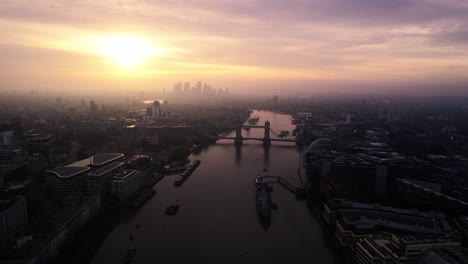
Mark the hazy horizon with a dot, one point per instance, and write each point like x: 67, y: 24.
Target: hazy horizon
x: 259, y: 46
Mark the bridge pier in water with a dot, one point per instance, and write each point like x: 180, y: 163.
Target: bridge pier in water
x: 239, y: 140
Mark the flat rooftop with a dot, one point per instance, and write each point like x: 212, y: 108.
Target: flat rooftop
x: 104, y: 158
x: 67, y: 172
x: 106, y: 169
x: 7, y: 203
x: 124, y: 174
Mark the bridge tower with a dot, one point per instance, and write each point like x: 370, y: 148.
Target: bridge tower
x: 239, y: 139
x: 266, y: 138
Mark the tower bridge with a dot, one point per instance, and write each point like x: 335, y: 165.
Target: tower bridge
x: 266, y: 139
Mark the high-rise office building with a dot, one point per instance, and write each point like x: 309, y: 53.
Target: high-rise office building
x: 93, y: 107
x: 156, y: 110
x: 186, y: 88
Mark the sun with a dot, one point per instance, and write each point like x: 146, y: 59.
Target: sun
x: 127, y: 50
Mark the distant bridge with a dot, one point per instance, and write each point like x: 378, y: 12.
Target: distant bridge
x: 266, y: 139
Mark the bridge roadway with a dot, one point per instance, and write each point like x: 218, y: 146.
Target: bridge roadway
x: 259, y: 139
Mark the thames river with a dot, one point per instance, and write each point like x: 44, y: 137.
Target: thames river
x: 217, y: 220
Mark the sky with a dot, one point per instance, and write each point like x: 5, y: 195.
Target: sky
x: 417, y: 46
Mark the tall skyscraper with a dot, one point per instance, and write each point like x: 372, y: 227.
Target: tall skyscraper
x: 156, y: 110
x: 93, y: 107
x: 186, y: 88
x: 275, y: 99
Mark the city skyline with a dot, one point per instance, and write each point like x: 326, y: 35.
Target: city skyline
x: 253, y: 46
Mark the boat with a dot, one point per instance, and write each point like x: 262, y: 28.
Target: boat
x: 184, y: 175
x: 172, y: 210
x: 284, y: 133
x: 263, y: 201
x: 129, y: 256
x: 246, y: 128
x: 253, y: 120
x: 179, y: 180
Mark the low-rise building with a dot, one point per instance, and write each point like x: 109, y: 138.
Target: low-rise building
x: 389, y: 248
x: 353, y: 221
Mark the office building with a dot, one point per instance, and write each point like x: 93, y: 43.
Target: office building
x: 156, y: 107
x: 6, y: 138
x: 66, y: 181
x: 352, y: 221
x: 102, y: 159
x: 44, y: 244
x: 389, y: 248
x: 186, y: 88
x: 99, y: 180
x: 13, y: 217
x: 126, y: 183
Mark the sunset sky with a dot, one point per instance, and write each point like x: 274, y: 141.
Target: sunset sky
x: 421, y: 45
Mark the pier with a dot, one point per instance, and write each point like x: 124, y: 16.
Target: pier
x: 298, y: 191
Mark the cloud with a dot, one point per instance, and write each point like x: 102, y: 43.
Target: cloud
x: 335, y: 39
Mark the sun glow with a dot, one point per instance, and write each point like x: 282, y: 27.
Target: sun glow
x: 128, y: 51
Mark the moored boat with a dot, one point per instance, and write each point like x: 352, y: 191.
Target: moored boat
x: 129, y: 256
x: 254, y: 120
x: 263, y: 200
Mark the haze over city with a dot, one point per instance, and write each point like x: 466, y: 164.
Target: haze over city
x: 403, y: 46
x: 233, y: 131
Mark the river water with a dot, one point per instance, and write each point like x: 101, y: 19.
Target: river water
x: 217, y: 220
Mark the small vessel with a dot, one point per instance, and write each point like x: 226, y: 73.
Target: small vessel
x: 263, y: 201
x: 254, y: 120
x: 129, y: 256
x: 246, y: 128
x: 172, y: 210
x: 284, y: 133
x: 190, y: 169
x: 179, y: 180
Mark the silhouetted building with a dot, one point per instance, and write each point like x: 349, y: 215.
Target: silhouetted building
x: 67, y: 181
x: 99, y: 180
x: 156, y: 107
x: 13, y: 217
x: 156, y: 134
x: 389, y: 248
x: 186, y: 88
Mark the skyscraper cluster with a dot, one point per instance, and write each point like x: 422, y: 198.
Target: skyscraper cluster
x: 198, y: 90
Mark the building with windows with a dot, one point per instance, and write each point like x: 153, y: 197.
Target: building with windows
x: 99, y: 180
x: 352, y: 221
x: 13, y: 217
x: 389, y: 248
x: 126, y: 183
x: 65, y: 181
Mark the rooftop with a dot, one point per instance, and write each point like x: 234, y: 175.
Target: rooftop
x: 124, y: 174
x: 67, y: 172
x: 104, y: 158
x: 7, y: 203
x: 106, y: 169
